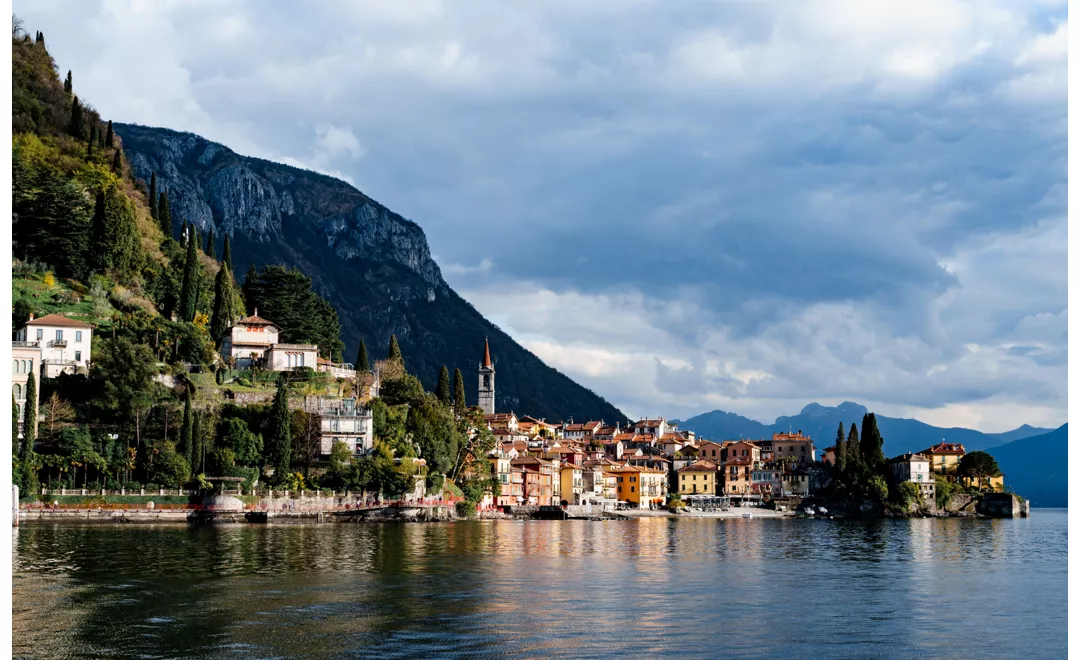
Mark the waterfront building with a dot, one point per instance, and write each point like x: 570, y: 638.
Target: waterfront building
x: 944, y: 457
x: 571, y: 483
x: 641, y: 487
x: 766, y: 478
x: 486, y: 387
x: 538, y: 480
x: 791, y: 445
x: 698, y: 478
x: 914, y: 468
x: 64, y: 344
x: 342, y: 420
x: 25, y: 360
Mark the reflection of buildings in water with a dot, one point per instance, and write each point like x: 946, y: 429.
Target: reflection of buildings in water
x: 920, y: 535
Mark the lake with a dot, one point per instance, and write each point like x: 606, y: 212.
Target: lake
x: 793, y: 588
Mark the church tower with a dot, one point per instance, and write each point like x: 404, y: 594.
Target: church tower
x: 486, y: 395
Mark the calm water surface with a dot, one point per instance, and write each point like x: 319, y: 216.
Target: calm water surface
x: 643, y: 588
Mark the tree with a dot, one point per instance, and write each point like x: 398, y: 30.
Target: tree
x: 459, y: 393
x: 118, y: 162
x: 164, y: 215
x: 109, y: 135
x: 75, y: 122
x: 854, y: 468
x: 115, y: 243
x: 210, y: 249
x: 476, y: 441
x: 251, y: 281
x: 226, y: 255
x: 67, y: 82
x: 57, y: 411
x: 14, y: 428
x: 307, y: 438
x: 122, y: 380
x: 90, y: 142
x: 246, y: 446
x: 189, y: 288
x: 442, y: 390
x: 226, y: 309
x: 280, y: 432
x: 395, y: 351
x: 30, y: 413
x: 871, y: 443
x: 285, y: 296
x: 187, y: 431
x: 362, y: 363
x: 98, y: 240
x: 979, y: 466
x: 841, y: 453
x: 153, y: 197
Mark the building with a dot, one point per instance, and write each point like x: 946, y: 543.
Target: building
x: 25, y: 360
x: 738, y: 475
x: 581, y: 432
x: 64, y: 344
x: 767, y: 478
x: 286, y: 357
x: 254, y: 342
x: 486, y: 391
x: 944, y: 457
x: 502, y: 421
x: 828, y: 456
x: 641, y: 487
x: 787, y: 446
x: 342, y: 420
x: 914, y: 468
x: 572, y: 484
x: 743, y: 449
x: 712, y: 451
x: 511, y: 478
x: 699, y: 478
x: 654, y: 428
x: 538, y: 480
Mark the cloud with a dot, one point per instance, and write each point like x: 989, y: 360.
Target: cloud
x: 735, y: 205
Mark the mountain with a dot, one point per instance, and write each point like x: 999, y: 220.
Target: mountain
x: 1019, y: 433
x: 1035, y: 467
x: 820, y: 422
x: 371, y: 263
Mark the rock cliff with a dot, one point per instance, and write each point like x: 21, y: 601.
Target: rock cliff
x: 372, y: 264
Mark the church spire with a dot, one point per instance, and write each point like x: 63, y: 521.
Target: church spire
x: 487, y: 354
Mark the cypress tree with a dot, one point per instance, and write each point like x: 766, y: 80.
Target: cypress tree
x: 226, y: 254
x: 109, y: 135
x: 14, y: 428
x: 854, y: 457
x: 362, y: 363
x: 280, y: 432
x: 395, y: 351
x: 67, y: 82
x: 251, y: 280
x: 153, y: 195
x: 75, y: 123
x: 459, y: 392
x: 40, y: 38
x: 222, y: 317
x: 91, y: 140
x: 29, y: 474
x: 210, y: 249
x: 164, y: 215
x: 871, y: 442
x: 187, y: 446
x: 442, y: 390
x: 196, y: 442
x: 97, y: 258
x: 841, y: 450
x: 188, y: 290
x: 117, y: 163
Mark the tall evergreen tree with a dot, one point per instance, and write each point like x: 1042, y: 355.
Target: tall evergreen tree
x: 109, y: 135
x: 40, y: 38
x: 189, y: 287
x: 362, y: 363
x: 211, y: 250
x: 196, y: 442
x: 442, y: 390
x: 280, y: 432
x: 226, y: 254
x: 395, y: 351
x: 251, y: 281
x: 871, y: 443
x: 14, y: 428
x: 224, y: 314
x: 75, y: 122
x: 67, y: 82
x: 90, y: 142
x: 98, y: 247
x: 187, y: 436
x: 153, y: 196
x: 117, y: 163
x: 114, y: 233
x: 459, y: 392
x: 29, y: 472
x: 164, y: 215
x: 854, y: 456
x: 841, y: 450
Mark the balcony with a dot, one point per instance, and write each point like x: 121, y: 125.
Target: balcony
x: 25, y: 344
x: 58, y: 343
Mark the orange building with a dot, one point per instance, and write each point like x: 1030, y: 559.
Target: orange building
x: 538, y: 480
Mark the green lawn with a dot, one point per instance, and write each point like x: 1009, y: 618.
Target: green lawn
x: 60, y: 298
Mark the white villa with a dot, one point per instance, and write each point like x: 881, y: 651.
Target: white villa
x: 342, y: 420
x: 25, y: 360
x: 64, y: 343
x: 254, y: 342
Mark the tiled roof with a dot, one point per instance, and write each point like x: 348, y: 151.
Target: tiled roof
x: 945, y: 448
x: 701, y: 466
x: 255, y: 319
x: 59, y: 320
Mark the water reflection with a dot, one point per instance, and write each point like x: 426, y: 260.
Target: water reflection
x: 651, y: 587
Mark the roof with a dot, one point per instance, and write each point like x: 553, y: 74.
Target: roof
x: 672, y: 437
x: 945, y: 448
x: 605, y: 430
x: 649, y: 422
x: 59, y: 320
x: 255, y: 319
x: 487, y: 355
x: 909, y: 458
x: 701, y: 466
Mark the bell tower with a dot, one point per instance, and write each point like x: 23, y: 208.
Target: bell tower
x: 486, y: 393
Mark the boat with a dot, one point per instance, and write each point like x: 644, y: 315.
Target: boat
x: 747, y: 515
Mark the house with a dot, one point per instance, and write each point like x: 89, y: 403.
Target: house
x: 654, y: 428
x: 593, y: 484
x: 914, y: 468
x: 767, y: 478
x: 342, y: 420
x: 64, y: 343
x: 583, y: 432
x: 538, y: 482
x: 606, y: 433
x: 788, y: 446
x: 738, y: 475
x: 500, y: 421
x: 541, y: 428
x: 699, y: 478
x: 944, y: 457
x: 254, y: 342
x: 511, y: 478
x: 743, y: 449
x: 685, y: 456
x: 335, y: 369
x: 571, y: 483
x: 828, y: 456
x: 671, y: 443
x: 640, y: 486
x: 25, y: 360
x: 712, y: 451
x: 795, y: 481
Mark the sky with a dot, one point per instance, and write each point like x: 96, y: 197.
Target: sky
x: 685, y: 206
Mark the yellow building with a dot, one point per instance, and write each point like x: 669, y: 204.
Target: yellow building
x: 995, y: 484
x: 640, y: 486
x: 572, y: 483
x: 698, y: 478
x: 944, y: 457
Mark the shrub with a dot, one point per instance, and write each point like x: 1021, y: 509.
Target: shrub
x: 944, y: 491
x: 465, y: 509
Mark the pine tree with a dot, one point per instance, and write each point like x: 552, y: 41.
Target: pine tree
x: 222, y: 317
x: 459, y: 392
x: 871, y: 443
x: 153, y: 195
x: 67, y: 82
x: 841, y: 450
x: 210, y: 248
x: 109, y: 135
x: 190, y: 285
x: 226, y: 254
x: 117, y: 163
x: 187, y: 445
x: 362, y: 363
x: 40, y: 38
x: 395, y: 351
x: 164, y: 215
x: 280, y: 432
x: 75, y: 123
x: 442, y: 390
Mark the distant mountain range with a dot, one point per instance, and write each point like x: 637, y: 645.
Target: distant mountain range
x: 1025, y: 454
x: 820, y: 422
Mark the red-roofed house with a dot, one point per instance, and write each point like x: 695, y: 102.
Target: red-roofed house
x: 64, y: 343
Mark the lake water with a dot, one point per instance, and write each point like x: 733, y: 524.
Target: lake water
x: 696, y: 588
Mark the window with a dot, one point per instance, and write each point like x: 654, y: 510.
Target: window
x: 59, y: 335
x: 78, y: 356
x: 78, y: 335
x: 631, y: 489
x: 29, y: 366
x: 40, y: 333
x: 18, y: 391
